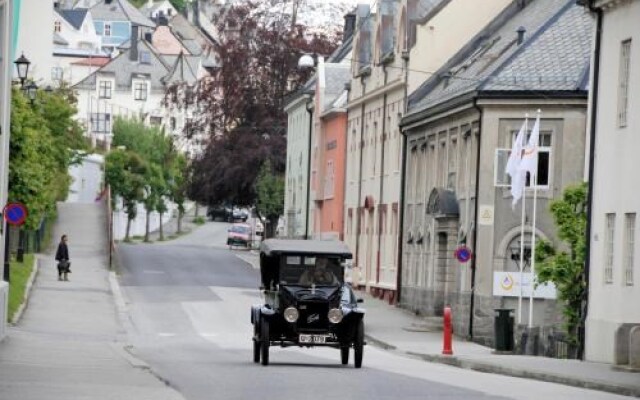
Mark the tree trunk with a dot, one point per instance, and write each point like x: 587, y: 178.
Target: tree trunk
x: 146, y: 228
x: 180, y: 215
x: 270, y: 229
x: 197, y: 210
x: 126, y: 235
x: 161, y: 228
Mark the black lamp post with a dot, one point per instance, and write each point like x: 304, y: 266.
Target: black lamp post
x: 22, y: 65
x: 31, y: 90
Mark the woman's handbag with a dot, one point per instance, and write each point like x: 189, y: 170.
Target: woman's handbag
x: 65, y: 266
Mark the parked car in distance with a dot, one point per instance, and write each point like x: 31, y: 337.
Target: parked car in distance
x: 219, y: 212
x: 239, y: 235
x: 239, y: 215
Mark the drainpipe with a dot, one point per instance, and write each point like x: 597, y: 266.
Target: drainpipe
x: 403, y: 173
x: 306, y: 222
x: 361, y: 150
x: 384, y: 125
x: 592, y: 146
x: 475, y: 223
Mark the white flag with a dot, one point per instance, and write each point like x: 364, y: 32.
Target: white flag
x: 516, y: 152
x: 529, y: 161
x: 517, y: 177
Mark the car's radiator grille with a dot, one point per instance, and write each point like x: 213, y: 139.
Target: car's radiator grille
x: 313, y: 316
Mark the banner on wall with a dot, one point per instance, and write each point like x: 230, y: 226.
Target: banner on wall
x: 507, y: 284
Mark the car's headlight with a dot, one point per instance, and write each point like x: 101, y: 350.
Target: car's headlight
x: 335, y: 315
x: 291, y: 314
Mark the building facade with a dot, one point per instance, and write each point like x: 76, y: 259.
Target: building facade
x: 388, y: 51
x: 329, y: 150
x: 612, y: 327
x: 460, y: 127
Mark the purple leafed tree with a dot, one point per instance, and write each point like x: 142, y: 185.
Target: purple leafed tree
x: 239, y: 106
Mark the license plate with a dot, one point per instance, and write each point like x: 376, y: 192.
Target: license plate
x: 313, y: 339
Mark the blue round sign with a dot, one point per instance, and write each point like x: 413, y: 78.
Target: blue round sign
x: 15, y: 213
x: 463, y: 254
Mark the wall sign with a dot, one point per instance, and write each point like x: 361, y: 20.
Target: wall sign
x: 507, y: 284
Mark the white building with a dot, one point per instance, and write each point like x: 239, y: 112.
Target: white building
x: 37, y: 46
x: 613, y: 317
x: 6, y: 67
x: 156, y: 9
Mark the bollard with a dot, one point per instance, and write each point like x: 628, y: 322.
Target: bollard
x: 446, y: 347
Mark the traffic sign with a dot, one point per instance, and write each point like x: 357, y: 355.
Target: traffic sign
x: 463, y: 254
x: 15, y: 213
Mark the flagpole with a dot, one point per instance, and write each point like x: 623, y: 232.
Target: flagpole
x: 522, y: 222
x: 533, y: 238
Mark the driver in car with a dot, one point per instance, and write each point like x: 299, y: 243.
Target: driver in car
x: 319, y: 274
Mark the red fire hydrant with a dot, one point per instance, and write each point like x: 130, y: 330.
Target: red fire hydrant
x: 446, y: 346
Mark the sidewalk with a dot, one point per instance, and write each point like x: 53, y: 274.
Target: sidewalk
x: 69, y: 343
x: 402, y: 332
x: 393, y: 329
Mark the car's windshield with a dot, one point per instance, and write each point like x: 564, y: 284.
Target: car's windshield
x: 307, y: 271
x: 239, y: 229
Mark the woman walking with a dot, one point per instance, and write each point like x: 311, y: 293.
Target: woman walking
x: 62, y: 256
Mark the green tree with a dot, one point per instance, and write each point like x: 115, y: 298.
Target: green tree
x: 125, y: 172
x: 270, y: 197
x: 565, y: 267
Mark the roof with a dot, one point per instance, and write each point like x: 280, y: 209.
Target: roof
x: 74, y: 16
x: 554, y: 56
x: 184, y: 69
x: 124, y: 70
x: 119, y: 10
x: 57, y: 39
x: 336, y: 76
x: 291, y: 246
x: 93, y: 61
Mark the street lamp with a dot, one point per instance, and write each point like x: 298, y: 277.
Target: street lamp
x: 22, y: 65
x: 31, y: 90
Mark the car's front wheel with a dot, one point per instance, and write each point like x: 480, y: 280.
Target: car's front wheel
x: 358, y: 345
x: 264, y: 342
x: 344, y: 355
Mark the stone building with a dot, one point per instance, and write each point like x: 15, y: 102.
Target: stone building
x: 459, y: 128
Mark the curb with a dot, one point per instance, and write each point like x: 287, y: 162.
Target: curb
x: 27, y: 291
x: 454, y: 361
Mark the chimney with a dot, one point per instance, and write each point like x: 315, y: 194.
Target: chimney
x: 349, y: 26
x: 521, y: 31
x: 133, y: 50
x: 148, y: 36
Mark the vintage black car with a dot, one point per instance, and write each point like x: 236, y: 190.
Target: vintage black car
x: 307, y: 302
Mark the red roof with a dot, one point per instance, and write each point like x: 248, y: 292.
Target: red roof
x: 93, y: 61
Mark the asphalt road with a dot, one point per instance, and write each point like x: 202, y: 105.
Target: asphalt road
x: 189, y: 303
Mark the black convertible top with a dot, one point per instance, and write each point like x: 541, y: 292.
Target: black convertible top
x: 271, y: 247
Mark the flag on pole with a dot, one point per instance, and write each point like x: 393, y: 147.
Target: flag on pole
x: 513, y: 164
x: 529, y: 161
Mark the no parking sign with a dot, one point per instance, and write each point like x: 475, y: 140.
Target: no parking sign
x: 463, y: 254
x: 15, y: 213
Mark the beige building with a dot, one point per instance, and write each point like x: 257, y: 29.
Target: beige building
x: 613, y: 326
x: 398, y: 40
x: 459, y: 128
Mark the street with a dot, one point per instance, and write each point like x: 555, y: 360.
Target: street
x: 188, y: 303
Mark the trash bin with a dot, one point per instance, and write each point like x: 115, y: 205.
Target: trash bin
x: 503, y: 329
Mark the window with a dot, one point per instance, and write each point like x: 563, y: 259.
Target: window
x: 140, y: 91
x: 623, y: 85
x: 56, y: 73
x: 610, y: 229
x: 145, y: 57
x: 104, y: 89
x: 155, y: 121
x: 107, y: 29
x: 100, y: 123
x: 502, y: 179
x: 57, y: 26
x: 329, y: 180
x: 629, y: 244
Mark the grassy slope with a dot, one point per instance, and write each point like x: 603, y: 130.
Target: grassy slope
x: 20, y: 273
